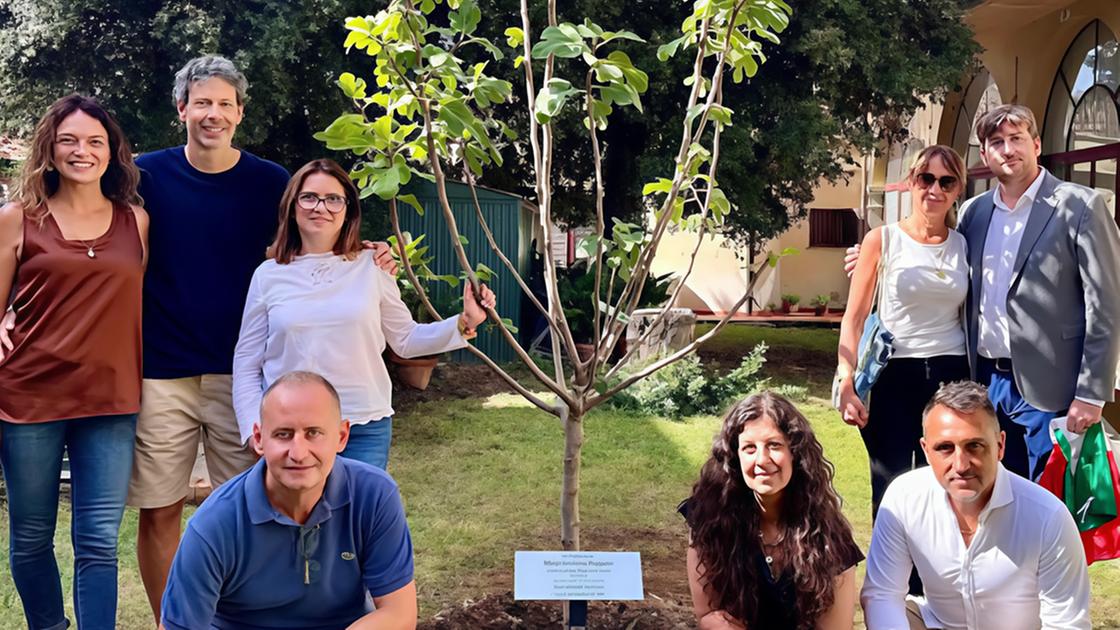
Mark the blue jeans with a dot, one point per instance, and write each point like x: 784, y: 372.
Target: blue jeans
x: 369, y: 442
x: 1028, y: 444
x: 100, y: 450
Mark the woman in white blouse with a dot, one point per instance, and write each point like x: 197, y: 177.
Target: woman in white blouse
x: 925, y: 281
x: 320, y: 304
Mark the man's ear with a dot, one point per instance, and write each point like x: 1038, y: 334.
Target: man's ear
x: 343, y: 435
x: 1002, y: 443
x: 258, y: 446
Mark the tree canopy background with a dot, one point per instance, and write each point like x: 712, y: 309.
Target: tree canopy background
x: 848, y: 73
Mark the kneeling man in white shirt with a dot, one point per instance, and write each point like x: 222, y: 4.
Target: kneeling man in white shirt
x: 993, y: 549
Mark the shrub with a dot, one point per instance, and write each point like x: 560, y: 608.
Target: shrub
x: 686, y: 388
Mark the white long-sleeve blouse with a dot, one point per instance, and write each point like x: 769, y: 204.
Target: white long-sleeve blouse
x: 326, y: 314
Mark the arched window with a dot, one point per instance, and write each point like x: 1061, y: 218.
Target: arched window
x: 981, y: 95
x: 1083, y: 111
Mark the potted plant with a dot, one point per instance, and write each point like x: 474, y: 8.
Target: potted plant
x: 820, y: 305
x: 577, y: 291
x: 789, y: 302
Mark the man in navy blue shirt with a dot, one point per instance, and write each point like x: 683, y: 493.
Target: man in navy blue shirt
x: 214, y: 210
x: 298, y: 540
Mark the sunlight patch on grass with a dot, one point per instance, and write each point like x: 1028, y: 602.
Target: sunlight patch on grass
x: 506, y: 400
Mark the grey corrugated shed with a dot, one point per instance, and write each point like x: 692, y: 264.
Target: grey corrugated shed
x: 511, y: 222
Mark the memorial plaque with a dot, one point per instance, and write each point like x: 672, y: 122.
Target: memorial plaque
x: 577, y: 575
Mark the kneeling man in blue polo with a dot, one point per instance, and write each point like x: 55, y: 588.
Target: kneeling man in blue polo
x: 300, y: 540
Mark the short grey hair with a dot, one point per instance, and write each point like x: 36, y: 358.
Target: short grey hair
x: 302, y: 377
x: 966, y: 397
x: 206, y: 67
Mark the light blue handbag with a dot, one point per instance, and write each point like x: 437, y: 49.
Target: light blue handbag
x: 876, y: 344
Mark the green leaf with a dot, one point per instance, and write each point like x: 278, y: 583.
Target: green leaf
x: 669, y: 49
x: 551, y: 99
x: 349, y: 131
x: 412, y: 201
x: 611, y: 36
x: 514, y: 36
x: 718, y: 204
x: 586, y: 246
x: 352, y: 86
x: 466, y: 19
x: 561, y: 42
x: 662, y: 185
x: 386, y: 184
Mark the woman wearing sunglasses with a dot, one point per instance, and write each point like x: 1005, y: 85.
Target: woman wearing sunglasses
x: 924, y: 279
x: 320, y: 304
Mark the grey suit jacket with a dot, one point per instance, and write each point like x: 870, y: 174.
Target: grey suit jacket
x: 1063, y: 306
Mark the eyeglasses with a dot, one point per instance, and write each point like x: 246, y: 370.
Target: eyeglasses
x: 333, y: 203
x: 926, y: 180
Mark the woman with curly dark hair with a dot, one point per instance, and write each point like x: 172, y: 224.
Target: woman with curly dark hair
x: 768, y: 545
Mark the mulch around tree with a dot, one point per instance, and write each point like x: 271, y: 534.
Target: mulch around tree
x: 499, y: 611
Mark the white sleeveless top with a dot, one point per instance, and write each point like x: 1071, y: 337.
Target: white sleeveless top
x: 923, y: 290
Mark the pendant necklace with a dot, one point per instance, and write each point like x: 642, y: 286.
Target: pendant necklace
x: 769, y: 557
x: 89, y: 247
x: 940, y: 263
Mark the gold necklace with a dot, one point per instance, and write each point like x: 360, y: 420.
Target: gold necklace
x: 941, y: 262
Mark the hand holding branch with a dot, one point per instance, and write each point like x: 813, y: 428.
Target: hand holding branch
x: 474, y: 309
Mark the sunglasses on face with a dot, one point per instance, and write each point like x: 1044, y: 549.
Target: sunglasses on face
x: 926, y: 180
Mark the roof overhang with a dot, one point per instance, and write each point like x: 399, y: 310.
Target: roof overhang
x: 985, y: 15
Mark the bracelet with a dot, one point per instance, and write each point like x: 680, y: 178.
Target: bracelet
x: 464, y: 331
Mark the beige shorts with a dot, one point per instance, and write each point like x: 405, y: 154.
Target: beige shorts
x: 174, y: 415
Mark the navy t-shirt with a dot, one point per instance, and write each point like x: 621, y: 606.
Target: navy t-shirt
x: 208, y: 233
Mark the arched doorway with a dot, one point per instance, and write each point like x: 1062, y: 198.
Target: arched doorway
x: 981, y: 95
x: 1081, y: 132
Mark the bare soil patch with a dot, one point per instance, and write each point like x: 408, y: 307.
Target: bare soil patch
x: 489, y: 602
x: 499, y: 611
x: 451, y: 381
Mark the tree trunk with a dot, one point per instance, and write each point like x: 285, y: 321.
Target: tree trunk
x: 569, y: 497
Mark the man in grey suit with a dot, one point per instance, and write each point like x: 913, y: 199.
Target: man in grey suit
x: 1044, y: 300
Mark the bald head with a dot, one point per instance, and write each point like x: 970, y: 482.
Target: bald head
x: 301, y: 379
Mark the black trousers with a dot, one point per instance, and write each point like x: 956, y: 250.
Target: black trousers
x: 894, y: 424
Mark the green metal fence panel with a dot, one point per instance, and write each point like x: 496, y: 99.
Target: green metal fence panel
x: 506, y: 218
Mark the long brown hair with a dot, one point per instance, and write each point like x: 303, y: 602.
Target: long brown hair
x: 38, y: 179
x: 288, y: 241
x: 724, y: 517
x: 953, y: 162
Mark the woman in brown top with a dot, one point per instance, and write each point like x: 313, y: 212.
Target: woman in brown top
x: 72, y: 252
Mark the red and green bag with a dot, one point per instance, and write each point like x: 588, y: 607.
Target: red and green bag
x: 1082, y: 471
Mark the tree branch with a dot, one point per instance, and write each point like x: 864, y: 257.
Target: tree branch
x: 600, y: 228
x: 497, y: 250
x: 676, y: 356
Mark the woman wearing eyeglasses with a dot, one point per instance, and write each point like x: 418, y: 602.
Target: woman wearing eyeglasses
x: 318, y: 304
x: 925, y: 281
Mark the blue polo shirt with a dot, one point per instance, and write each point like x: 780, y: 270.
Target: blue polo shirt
x: 242, y: 565
x: 207, y: 236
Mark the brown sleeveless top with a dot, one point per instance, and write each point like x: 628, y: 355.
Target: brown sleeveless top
x: 77, y: 330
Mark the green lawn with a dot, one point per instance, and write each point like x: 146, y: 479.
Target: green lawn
x: 481, y: 479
